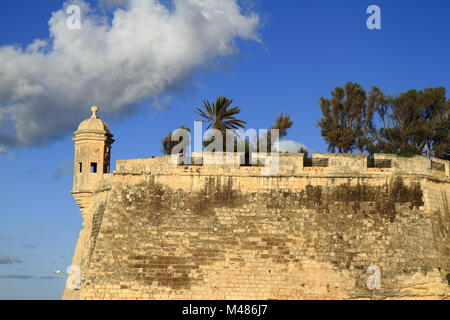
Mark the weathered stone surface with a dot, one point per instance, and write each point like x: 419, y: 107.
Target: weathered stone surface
x: 158, y: 230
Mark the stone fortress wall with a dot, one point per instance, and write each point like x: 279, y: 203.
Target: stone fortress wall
x: 155, y: 229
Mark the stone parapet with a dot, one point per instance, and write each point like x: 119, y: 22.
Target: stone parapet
x: 287, y: 164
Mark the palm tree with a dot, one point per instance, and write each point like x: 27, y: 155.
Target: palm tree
x: 220, y: 115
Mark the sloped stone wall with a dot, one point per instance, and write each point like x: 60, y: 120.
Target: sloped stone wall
x: 189, y: 233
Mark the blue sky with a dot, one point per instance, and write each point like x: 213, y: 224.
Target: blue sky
x: 307, y: 48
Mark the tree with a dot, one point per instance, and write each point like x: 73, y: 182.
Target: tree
x: 307, y: 160
x: 220, y: 115
x: 282, y: 124
x: 168, y: 144
x: 347, y: 118
x: 415, y: 122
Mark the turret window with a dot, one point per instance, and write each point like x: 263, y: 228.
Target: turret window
x: 80, y: 167
x: 93, y: 167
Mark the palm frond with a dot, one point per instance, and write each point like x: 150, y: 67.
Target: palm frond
x: 220, y: 115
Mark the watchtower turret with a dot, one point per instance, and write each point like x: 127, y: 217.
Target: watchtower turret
x: 93, y: 142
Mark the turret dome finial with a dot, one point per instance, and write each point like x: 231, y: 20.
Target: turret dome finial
x: 94, y: 110
x: 93, y: 123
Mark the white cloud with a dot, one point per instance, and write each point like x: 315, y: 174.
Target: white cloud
x: 25, y: 277
x: 146, y: 50
x: 289, y: 146
x: 162, y: 103
x: 8, y: 260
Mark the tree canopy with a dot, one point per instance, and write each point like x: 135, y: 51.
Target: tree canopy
x: 282, y: 124
x: 416, y: 121
x: 347, y: 118
x: 220, y: 115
